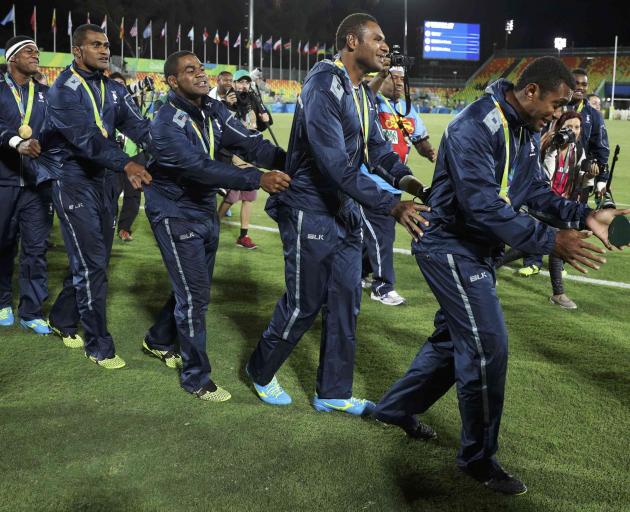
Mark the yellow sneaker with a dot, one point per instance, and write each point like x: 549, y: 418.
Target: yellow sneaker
x: 212, y: 393
x: 69, y: 340
x: 530, y: 271
x: 169, y: 358
x: 112, y: 363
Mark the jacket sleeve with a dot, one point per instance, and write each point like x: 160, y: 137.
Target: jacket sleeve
x: 173, y: 151
x: 250, y: 144
x: 69, y: 117
x: 598, y: 145
x: 130, y: 120
x: 323, y: 114
x: 471, y: 163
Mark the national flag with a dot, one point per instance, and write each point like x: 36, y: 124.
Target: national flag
x: 104, y: 24
x: 163, y: 33
x: 87, y: 20
x: 9, y: 17
x: 217, y: 38
x: 53, y: 23
x: 268, y: 44
x: 179, y: 33
x: 237, y: 43
x: 313, y: 51
x: 305, y: 50
x: 205, y: 34
x: 287, y: 45
x: 191, y: 33
x: 34, y: 19
x: 134, y: 30
x: 121, y: 33
x: 69, y: 23
x: 258, y: 43
x: 226, y: 40
x: 148, y: 30
x: 278, y: 44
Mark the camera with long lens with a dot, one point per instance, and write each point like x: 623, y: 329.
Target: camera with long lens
x: 562, y: 137
x: 243, y: 98
x: 398, y: 59
x: 141, y: 86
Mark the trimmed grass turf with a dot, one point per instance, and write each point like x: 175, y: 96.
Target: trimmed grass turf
x: 77, y: 437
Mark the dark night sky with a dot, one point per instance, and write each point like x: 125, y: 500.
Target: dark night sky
x: 583, y: 23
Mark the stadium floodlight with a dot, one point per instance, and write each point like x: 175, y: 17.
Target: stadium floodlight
x: 560, y: 43
x: 509, y: 27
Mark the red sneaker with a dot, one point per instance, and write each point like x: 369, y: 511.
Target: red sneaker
x: 245, y: 242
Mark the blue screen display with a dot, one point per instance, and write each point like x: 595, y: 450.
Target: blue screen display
x: 447, y: 40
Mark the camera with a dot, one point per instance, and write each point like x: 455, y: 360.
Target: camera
x: 242, y: 97
x: 398, y: 59
x: 141, y: 86
x: 562, y: 137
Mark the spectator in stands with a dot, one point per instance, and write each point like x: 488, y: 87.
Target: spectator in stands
x: 379, y: 231
x: 252, y: 116
x: 120, y: 183
x: 595, y: 102
x: 593, y: 135
x: 224, y: 90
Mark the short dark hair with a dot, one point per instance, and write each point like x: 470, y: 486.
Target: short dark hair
x: 80, y: 33
x: 579, y: 71
x: 548, y: 73
x: 171, y: 62
x: 118, y: 75
x: 352, y: 24
x: 224, y: 73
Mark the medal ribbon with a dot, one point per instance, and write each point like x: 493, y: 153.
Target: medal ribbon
x: 210, y: 150
x: 508, y: 173
x: 363, y: 121
x: 26, y: 116
x: 98, y: 114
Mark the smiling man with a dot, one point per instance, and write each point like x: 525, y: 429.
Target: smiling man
x: 25, y: 204
x: 488, y: 167
x: 335, y: 130
x: 85, y: 109
x: 189, y: 130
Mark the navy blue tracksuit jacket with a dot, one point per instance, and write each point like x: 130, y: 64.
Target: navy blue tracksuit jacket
x: 594, y: 137
x: 25, y: 204
x: 320, y: 226
x: 76, y: 155
x: 470, y: 223
x: 181, y: 206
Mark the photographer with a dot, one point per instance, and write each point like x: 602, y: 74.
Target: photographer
x: 224, y: 91
x: 568, y: 170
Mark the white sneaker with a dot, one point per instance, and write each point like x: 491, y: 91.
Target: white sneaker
x: 389, y: 299
x: 366, y: 283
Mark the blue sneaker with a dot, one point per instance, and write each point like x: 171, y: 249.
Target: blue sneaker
x: 352, y: 405
x: 272, y: 393
x: 38, y: 326
x: 6, y: 316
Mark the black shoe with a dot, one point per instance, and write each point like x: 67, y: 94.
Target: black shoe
x: 495, y: 478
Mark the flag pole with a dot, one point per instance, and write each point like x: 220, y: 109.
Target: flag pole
x: 55, y: 31
x: 151, y: 40
x: 240, y: 60
x: 611, y: 110
x: 290, y: 52
x: 271, y: 61
x: 14, y: 27
x: 35, y: 22
x: 261, y: 52
x: 280, y: 59
x: 216, y: 53
x: 122, y: 43
x: 299, y: 63
x: 228, y: 50
x: 205, y: 50
x: 165, y: 40
x: 137, y: 30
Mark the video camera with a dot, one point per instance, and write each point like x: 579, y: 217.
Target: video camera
x: 562, y: 137
x: 243, y: 98
x: 141, y: 86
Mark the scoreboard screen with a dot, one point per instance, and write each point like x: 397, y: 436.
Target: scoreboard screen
x: 448, y: 40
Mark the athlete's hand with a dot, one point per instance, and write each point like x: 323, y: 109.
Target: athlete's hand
x: 137, y: 175
x: 598, y: 221
x: 571, y: 247
x: 406, y: 213
x: 30, y: 148
x: 274, y: 181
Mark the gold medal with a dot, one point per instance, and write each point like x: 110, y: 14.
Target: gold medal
x: 25, y: 131
x: 104, y: 132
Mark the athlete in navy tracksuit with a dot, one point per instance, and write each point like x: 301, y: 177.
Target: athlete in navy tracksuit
x: 25, y: 204
x: 79, y: 145
x: 320, y: 224
x: 470, y: 222
x: 187, y: 133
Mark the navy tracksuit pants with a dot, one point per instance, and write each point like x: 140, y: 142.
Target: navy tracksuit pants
x: 188, y: 249
x: 25, y: 215
x: 64, y: 313
x: 379, y: 233
x: 322, y: 258
x: 468, y: 348
x: 86, y: 221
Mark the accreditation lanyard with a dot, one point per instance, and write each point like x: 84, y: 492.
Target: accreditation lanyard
x: 364, y: 121
x: 508, y: 173
x: 209, y: 150
x: 98, y: 114
x: 580, y: 107
x: 24, y: 115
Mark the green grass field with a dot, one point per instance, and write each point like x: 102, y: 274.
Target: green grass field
x: 76, y: 437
